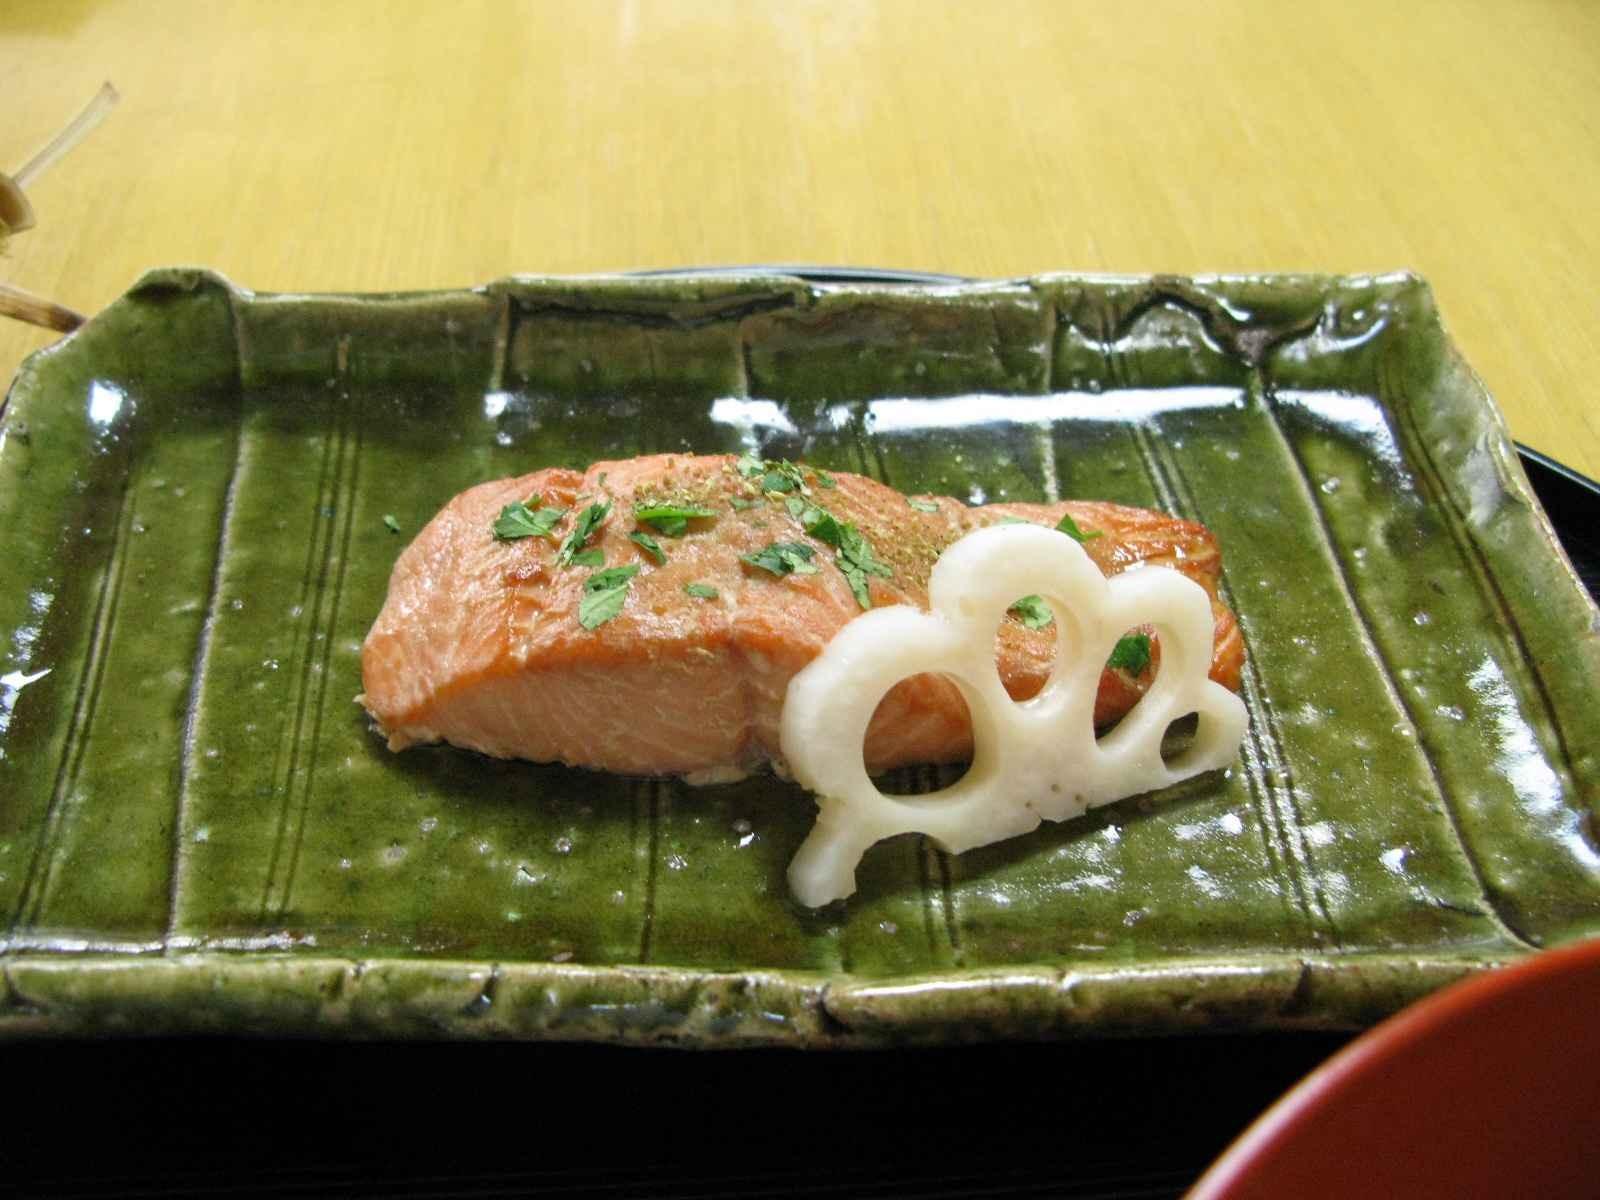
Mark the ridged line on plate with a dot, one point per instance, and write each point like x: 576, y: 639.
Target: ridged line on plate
x: 334, y: 519
x: 1397, y: 695
x: 649, y: 801
x: 1489, y: 586
x: 85, y: 702
x: 198, y: 672
x: 1267, y: 774
x: 1266, y: 765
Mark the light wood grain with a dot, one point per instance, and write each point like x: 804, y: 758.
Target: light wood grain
x: 381, y: 146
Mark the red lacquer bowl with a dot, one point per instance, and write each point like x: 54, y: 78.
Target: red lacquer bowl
x: 1487, y: 1088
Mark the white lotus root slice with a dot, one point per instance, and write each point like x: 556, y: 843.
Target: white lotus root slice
x: 1033, y: 760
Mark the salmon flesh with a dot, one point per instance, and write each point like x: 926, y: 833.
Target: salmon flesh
x: 480, y: 642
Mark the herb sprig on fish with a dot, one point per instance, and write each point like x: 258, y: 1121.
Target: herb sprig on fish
x: 780, y: 475
x: 604, y: 594
x: 519, y: 521
x: 852, y: 552
x: 670, y: 520
x: 1131, y: 653
x: 783, y: 558
x: 588, y: 521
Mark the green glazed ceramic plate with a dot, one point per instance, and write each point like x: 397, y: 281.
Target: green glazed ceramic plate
x: 199, y: 832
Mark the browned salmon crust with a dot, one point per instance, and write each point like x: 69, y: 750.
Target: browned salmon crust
x: 479, y: 642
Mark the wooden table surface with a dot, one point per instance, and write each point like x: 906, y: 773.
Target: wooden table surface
x: 414, y: 144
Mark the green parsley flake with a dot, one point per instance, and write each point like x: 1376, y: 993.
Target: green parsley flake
x: 649, y: 545
x: 519, y: 521
x: 1070, y: 527
x: 927, y: 506
x: 592, y: 557
x: 1131, y: 653
x: 740, y: 504
x: 604, y: 594
x: 857, y: 561
x: 609, y: 578
x: 669, y: 520
x: 589, y: 520
x: 703, y: 590
x: 780, y: 475
x: 853, y: 557
x: 824, y: 479
x: 1033, y: 612
x: 390, y: 523
x: 783, y: 558
x: 822, y: 525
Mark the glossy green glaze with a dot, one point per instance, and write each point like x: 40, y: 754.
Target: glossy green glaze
x: 199, y: 832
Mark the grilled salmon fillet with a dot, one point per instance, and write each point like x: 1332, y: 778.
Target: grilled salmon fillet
x: 479, y: 642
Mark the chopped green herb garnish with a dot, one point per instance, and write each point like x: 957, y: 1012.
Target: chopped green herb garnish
x: 857, y: 561
x: 740, y: 504
x: 703, y: 590
x: 604, y: 593
x: 589, y: 520
x: 1070, y: 527
x: 824, y: 479
x: 1131, y: 653
x: 784, y: 558
x: 609, y: 578
x: 1033, y: 612
x: 780, y: 475
x: 927, y: 506
x: 649, y: 545
x: 519, y: 521
x: 592, y: 557
x: 818, y: 522
x: 670, y: 520
x: 390, y: 523
x: 826, y: 527
x: 854, y: 555
x: 654, y: 512
x: 1012, y: 521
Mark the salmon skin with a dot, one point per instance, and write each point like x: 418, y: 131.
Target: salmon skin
x: 480, y: 642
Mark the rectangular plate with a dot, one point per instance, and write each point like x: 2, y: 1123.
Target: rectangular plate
x: 198, y: 831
